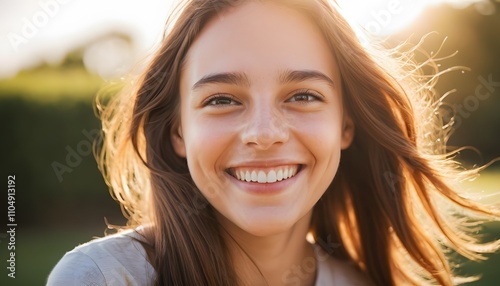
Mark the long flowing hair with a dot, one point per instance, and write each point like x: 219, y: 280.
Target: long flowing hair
x: 390, y: 209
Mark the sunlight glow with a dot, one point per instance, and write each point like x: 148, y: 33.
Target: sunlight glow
x: 379, y: 18
x: 37, y: 31
x: 382, y: 17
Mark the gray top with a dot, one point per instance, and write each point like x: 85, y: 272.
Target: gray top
x: 120, y: 259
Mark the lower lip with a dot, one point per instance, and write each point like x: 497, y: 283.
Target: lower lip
x: 265, y: 188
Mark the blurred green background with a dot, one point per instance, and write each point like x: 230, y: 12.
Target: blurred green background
x: 46, y: 114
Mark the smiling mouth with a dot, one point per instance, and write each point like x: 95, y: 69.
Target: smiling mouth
x: 267, y: 175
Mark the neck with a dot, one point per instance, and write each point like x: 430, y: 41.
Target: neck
x: 277, y: 259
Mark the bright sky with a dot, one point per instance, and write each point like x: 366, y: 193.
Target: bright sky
x: 34, y: 31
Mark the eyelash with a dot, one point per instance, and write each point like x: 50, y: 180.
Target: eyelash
x: 219, y: 96
x: 307, y: 93
x: 210, y: 100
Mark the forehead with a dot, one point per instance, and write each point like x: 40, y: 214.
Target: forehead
x: 259, y: 39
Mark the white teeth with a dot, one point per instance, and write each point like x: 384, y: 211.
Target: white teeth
x: 260, y: 176
x: 271, y: 177
x: 254, y: 176
x: 279, y: 175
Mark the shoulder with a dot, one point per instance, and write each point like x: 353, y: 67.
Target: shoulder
x: 118, y: 259
x: 332, y: 271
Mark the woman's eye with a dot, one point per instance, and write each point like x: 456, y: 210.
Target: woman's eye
x: 220, y: 100
x: 304, y: 97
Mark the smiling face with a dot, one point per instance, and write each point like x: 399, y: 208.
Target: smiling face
x: 262, y: 122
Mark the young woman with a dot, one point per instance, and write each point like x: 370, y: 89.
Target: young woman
x: 265, y: 146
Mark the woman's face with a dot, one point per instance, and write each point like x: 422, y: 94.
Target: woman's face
x: 262, y: 123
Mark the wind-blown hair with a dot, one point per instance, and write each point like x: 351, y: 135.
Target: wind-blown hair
x: 390, y: 209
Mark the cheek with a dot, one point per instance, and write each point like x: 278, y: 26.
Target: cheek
x: 321, y: 132
x: 207, y: 141
x: 321, y: 135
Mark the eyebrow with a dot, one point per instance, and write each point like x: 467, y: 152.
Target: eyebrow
x: 289, y: 76
x: 235, y: 78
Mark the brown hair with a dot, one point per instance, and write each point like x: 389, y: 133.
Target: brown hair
x: 384, y: 207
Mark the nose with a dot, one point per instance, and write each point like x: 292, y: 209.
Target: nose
x: 266, y: 126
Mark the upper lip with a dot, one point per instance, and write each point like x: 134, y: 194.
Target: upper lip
x: 264, y: 164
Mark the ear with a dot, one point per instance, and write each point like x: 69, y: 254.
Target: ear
x: 178, y: 141
x: 348, y: 129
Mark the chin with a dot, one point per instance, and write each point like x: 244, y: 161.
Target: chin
x: 265, y: 224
